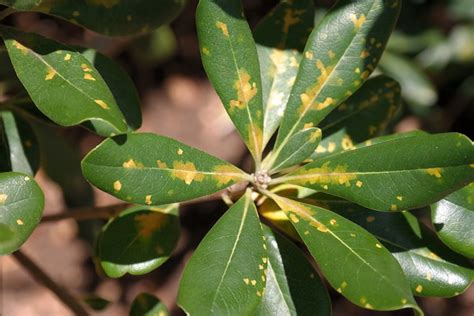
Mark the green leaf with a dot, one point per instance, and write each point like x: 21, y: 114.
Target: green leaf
x: 391, y: 137
x: 365, y: 115
x: 21, y: 207
x: 300, y: 147
x: 396, y: 175
x: 226, y: 274
x: 120, y: 84
x: 150, y: 169
x: 331, y: 71
x: 293, y: 286
x: 430, y: 267
x: 280, y: 39
x: 230, y: 59
x: 139, y: 240
x: 148, y: 305
x: 110, y: 17
x: 351, y: 259
x: 453, y: 220
x: 19, y: 150
x: 62, y: 83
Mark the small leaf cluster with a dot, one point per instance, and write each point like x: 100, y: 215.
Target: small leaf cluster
x: 314, y: 117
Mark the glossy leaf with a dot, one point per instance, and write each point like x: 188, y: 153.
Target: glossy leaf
x: 300, y: 147
x: 148, y: 305
x: 110, y: 17
x: 280, y: 39
x: 139, y: 240
x: 430, y: 267
x: 331, y: 71
x: 19, y: 150
x: 150, y: 169
x: 21, y: 207
x: 120, y: 84
x: 400, y: 174
x: 272, y: 213
x: 351, y: 259
x: 62, y: 83
x: 226, y: 274
x: 453, y: 220
x: 293, y: 286
x: 230, y: 59
x: 365, y: 115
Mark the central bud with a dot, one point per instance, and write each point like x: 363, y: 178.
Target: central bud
x: 262, y: 179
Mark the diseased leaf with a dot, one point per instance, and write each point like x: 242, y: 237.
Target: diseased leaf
x: 226, y: 274
x: 300, y: 147
x: 62, y: 83
x: 150, y: 169
x: 331, y: 71
x: 230, y: 59
x: 365, y: 115
x: 401, y: 174
x: 453, y: 220
x: 120, y: 84
x: 272, y: 213
x: 139, y: 240
x: 430, y: 267
x: 148, y: 305
x: 293, y: 286
x: 19, y: 150
x: 351, y: 259
x: 110, y: 17
x: 21, y: 207
x: 391, y: 137
x: 280, y: 39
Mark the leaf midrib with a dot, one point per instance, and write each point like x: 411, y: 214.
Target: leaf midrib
x: 239, y: 232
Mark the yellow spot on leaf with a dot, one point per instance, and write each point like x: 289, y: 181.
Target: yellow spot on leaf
x: 352, y: 234
x: 319, y: 226
x: 393, y: 207
x: 309, y: 54
x: 310, y: 94
x: 315, y: 136
x: 290, y: 18
x: 186, y: 171
x: 86, y: 68
x: 246, y: 90
x: 19, y: 222
x: 205, y: 51
x: 359, y: 184
x: 253, y: 282
x: 76, y: 13
x: 223, y: 27
x: 293, y: 218
x: 148, y: 223
x: 89, y: 77
x: 148, y: 200
x: 325, y: 104
x: 67, y: 57
x: 378, y: 246
x: 428, y: 276
x: 325, y: 187
x: 368, y: 306
x: 246, y: 281
x: 117, y: 185
x: 226, y: 173
x: 326, y: 175
x: 331, y: 54
x: 358, y: 21
x: 50, y: 74
x: 399, y: 197
x: 365, y: 53
x: 419, y: 288
x: 435, y: 172
x: 102, y: 104
x: 404, y: 301
x: 20, y: 47
x: 3, y: 198
x: 333, y: 222
x: 347, y: 143
x: 131, y: 164
x: 161, y: 164
x: 259, y: 293
x: 180, y: 151
x: 331, y: 147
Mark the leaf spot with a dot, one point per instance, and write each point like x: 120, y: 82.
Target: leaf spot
x: 419, y: 288
x: 3, y: 198
x: 67, y: 57
x: 50, y: 74
x: 186, y: 171
x: 117, y: 185
x: 370, y: 219
x: 89, y: 77
x: 223, y: 27
x: 19, y: 222
x: 102, y: 104
x: 358, y: 21
x: 148, y: 200
x: 149, y: 223
x: 435, y: 172
x: 131, y: 164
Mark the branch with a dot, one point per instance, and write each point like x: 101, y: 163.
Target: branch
x: 41, y: 277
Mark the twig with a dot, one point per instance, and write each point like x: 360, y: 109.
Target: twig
x: 41, y: 277
x: 6, y: 12
x: 106, y: 212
